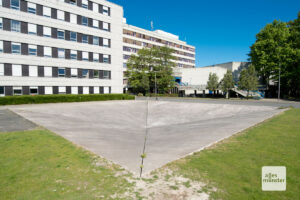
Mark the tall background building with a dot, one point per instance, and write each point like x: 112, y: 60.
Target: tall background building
x: 135, y: 38
x: 60, y: 47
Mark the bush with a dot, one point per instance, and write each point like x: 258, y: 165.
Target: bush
x: 27, y: 99
x: 162, y: 95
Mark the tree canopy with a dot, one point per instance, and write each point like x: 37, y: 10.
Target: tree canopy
x: 213, y: 82
x: 148, y: 63
x: 227, y: 82
x: 277, y: 47
x: 248, y: 79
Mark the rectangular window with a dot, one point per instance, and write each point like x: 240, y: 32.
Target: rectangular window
x: 62, y: 90
x: 17, y: 91
x: 85, y: 73
x: 61, y: 72
x: 61, y: 34
x: 85, y: 39
x: 95, y: 23
x: 1, y: 23
x: 106, y: 74
x: 15, y: 26
x: 105, y: 58
x: 73, y: 36
x: 96, y: 74
x: 73, y: 55
x: 47, y: 31
x: 48, y: 90
x: 32, y: 50
x: 15, y: 4
x: 84, y: 21
x: 16, y: 48
x: 1, y: 46
x: 32, y: 29
x: 73, y: 18
x: 86, y: 90
x: 74, y: 72
x: 61, y: 53
x: 95, y: 7
x: 95, y: 40
x: 96, y: 57
x: 85, y: 4
x: 124, y: 65
x: 46, y: 11
x: 73, y: 2
x: 61, y: 15
x: 31, y: 8
x: 48, y: 71
x: 74, y: 90
x: 105, y: 10
x: 105, y: 26
x: 33, y: 71
x: 1, y: 69
x: 96, y: 90
x: 16, y: 70
x: 106, y: 90
x: 48, y: 52
x: 2, y: 91
x: 105, y: 42
x: 33, y: 90
x: 85, y: 56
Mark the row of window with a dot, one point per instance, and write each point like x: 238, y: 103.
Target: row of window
x: 52, y: 52
x: 130, y: 49
x: 47, y: 90
x: 146, y: 37
x: 90, y: 6
x: 44, y: 71
x: 55, y: 14
x: 146, y: 45
x: 44, y: 31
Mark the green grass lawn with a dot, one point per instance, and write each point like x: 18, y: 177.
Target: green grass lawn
x: 41, y: 165
x: 233, y: 167
x: 38, y: 164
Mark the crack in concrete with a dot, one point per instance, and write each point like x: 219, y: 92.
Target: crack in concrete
x: 145, y: 141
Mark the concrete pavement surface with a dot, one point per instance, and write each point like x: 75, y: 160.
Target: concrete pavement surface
x: 117, y: 130
x: 10, y: 121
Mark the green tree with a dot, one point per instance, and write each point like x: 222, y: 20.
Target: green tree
x: 248, y: 80
x: 277, y: 48
x: 148, y: 63
x: 213, y: 82
x: 227, y: 83
x: 293, y: 80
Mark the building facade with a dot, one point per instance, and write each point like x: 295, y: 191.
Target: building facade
x: 60, y: 47
x: 194, y: 80
x: 135, y: 38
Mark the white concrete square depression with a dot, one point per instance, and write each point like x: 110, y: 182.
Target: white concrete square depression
x: 121, y: 131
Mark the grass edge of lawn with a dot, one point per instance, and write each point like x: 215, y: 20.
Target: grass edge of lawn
x: 211, y: 186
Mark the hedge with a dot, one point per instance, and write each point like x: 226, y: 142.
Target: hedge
x: 38, y: 99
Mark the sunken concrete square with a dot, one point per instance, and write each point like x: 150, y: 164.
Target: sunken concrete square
x: 122, y: 131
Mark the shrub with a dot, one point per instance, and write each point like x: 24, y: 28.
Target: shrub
x: 38, y: 99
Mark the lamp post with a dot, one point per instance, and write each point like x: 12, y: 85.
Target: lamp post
x: 279, y: 82
x: 155, y: 86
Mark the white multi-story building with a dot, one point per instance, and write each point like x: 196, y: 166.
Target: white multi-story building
x: 60, y: 47
x: 135, y: 38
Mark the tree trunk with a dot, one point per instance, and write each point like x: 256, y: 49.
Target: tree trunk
x: 247, y: 94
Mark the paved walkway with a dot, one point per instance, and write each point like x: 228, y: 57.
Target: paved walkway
x: 121, y: 130
x: 9, y: 121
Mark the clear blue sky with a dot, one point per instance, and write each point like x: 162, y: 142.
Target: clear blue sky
x: 221, y: 30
